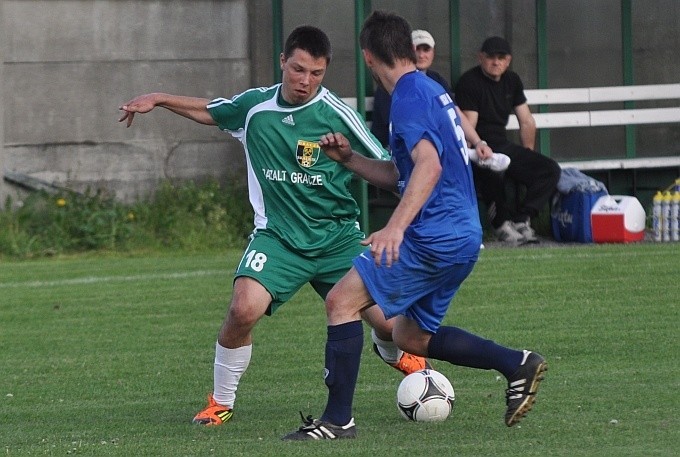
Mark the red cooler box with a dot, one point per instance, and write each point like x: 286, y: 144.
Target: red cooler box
x: 617, y: 219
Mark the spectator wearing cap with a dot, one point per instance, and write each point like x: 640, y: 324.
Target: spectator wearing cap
x: 487, y: 94
x: 423, y: 43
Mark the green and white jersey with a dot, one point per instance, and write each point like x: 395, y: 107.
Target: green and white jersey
x: 298, y: 194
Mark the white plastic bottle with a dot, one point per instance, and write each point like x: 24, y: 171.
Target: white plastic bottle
x: 675, y: 216
x: 666, y: 216
x: 657, y: 220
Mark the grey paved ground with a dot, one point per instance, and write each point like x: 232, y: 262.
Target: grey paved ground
x: 544, y: 242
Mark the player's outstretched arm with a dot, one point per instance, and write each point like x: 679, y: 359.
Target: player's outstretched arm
x: 190, y: 107
x: 380, y: 173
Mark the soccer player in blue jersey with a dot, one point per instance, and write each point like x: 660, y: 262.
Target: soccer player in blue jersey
x: 416, y: 263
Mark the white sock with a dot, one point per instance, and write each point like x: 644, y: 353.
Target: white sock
x: 387, y: 349
x: 230, y: 364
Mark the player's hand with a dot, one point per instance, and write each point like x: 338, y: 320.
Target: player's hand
x: 484, y: 152
x: 336, y: 146
x: 141, y: 104
x: 385, y: 243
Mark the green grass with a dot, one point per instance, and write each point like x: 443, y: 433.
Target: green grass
x: 112, y: 355
x: 184, y: 216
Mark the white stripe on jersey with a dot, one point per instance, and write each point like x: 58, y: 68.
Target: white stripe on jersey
x: 354, y: 122
x: 256, y: 196
x: 222, y: 100
x: 218, y: 102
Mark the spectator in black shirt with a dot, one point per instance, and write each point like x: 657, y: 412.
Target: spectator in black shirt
x: 487, y: 94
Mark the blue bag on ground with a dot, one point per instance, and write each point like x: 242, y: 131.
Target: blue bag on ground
x: 571, y: 206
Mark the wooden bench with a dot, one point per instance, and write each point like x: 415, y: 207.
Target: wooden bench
x: 595, y: 117
x: 639, y: 176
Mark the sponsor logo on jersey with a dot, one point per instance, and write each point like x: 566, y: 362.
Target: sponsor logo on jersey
x: 307, y: 153
x: 288, y: 120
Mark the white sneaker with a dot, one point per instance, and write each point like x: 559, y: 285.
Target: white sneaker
x: 497, y: 162
x: 524, y: 229
x: 508, y: 234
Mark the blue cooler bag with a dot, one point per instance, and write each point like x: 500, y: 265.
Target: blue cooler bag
x: 570, y: 216
x: 571, y: 206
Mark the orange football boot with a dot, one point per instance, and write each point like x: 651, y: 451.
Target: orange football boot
x: 213, y: 414
x: 408, y: 363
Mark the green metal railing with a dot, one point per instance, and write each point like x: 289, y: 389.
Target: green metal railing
x: 542, y: 68
x: 628, y: 77
x: 277, y: 37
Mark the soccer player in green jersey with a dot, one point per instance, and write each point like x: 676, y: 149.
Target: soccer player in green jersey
x: 306, y: 228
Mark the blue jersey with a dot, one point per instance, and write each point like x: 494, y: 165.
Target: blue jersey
x: 447, y: 227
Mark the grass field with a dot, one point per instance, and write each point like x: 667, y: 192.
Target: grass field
x: 113, y: 356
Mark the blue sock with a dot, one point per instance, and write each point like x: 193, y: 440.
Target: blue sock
x: 459, y: 347
x: 343, y: 355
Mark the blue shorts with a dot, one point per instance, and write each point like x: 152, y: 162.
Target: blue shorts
x: 420, y: 290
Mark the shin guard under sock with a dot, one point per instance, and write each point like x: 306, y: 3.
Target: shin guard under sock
x: 343, y: 355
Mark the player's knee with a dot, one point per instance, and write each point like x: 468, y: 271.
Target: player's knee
x: 334, y: 303
x: 242, y: 315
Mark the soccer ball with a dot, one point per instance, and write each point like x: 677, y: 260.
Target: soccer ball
x: 425, y: 396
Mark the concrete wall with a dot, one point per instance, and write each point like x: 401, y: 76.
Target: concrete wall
x: 69, y: 65
x: 3, y: 191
